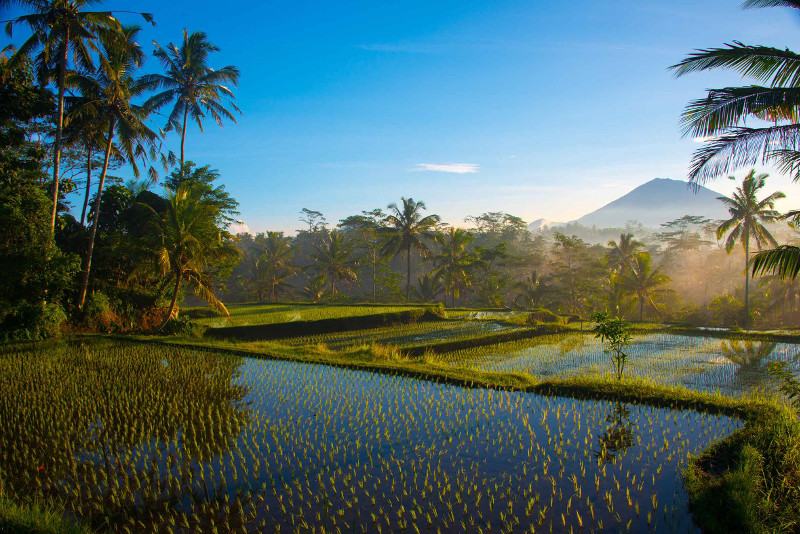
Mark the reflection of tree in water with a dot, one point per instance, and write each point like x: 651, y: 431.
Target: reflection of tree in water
x: 617, y: 437
x: 115, y: 427
x: 749, y: 358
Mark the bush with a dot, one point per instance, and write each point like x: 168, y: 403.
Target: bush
x: 182, y: 326
x: 541, y: 315
x: 24, y: 321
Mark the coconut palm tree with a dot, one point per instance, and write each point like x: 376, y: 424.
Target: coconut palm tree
x: 333, y: 261
x: 533, y: 292
x: 111, y: 89
x: 720, y: 118
x: 185, y: 240
x: 747, y: 215
x: 58, y: 27
x: 276, y: 261
x: 454, y: 262
x: 407, y: 229
x: 623, y: 252
x: 195, y: 87
x: 644, y: 281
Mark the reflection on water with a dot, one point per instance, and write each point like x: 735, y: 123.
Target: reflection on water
x: 617, y: 436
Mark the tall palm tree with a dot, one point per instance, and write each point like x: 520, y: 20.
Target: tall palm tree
x: 58, y: 27
x: 454, y: 261
x: 333, y: 261
x: 721, y: 116
x: 195, y: 87
x: 185, y: 240
x: 111, y: 89
x: 747, y: 215
x: 407, y: 229
x: 86, y: 131
x: 644, y: 281
x: 623, y: 252
x: 276, y: 261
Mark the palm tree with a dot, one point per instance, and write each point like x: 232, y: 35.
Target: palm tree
x: 59, y: 26
x: 623, y: 252
x: 195, y: 87
x: 186, y: 239
x: 428, y: 287
x: 333, y: 261
x: 276, y: 261
x: 454, y: 261
x: 408, y: 229
x: 747, y: 215
x: 533, y: 292
x: 721, y: 116
x: 644, y: 281
x: 86, y: 131
x: 110, y: 90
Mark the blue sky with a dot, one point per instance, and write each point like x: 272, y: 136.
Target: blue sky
x: 554, y: 108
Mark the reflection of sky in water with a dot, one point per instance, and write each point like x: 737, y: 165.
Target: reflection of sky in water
x: 703, y: 363
x: 383, y: 428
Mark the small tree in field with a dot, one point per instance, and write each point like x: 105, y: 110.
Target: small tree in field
x: 614, y: 332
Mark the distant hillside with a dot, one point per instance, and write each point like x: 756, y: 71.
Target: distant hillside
x: 656, y: 202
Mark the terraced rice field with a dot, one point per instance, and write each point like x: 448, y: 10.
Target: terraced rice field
x: 256, y: 314
x: 408, y: 335
x: 148, y: 439
x: 701, y: 363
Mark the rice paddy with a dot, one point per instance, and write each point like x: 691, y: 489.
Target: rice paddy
x: 414, y: 334
x: 258, y: 314
x: 139, y: 438
x: 701, y: 363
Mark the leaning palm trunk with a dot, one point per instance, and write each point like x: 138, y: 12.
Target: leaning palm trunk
x: 62, y: 72
x: 88, y: 261
x: 747, y: 282
x: 183, y: 135
x: 178, y: 277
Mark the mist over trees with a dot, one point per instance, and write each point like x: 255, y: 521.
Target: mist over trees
x: 679, y: 273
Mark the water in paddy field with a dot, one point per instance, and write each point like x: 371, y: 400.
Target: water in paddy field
x: 700, y: 363
x: 241, y: 445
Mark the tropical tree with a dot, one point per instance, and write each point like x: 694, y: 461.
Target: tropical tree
x: 721, y: 117
x: 185, y: 241
x: 192, y: 84
x: 622, y: 253
x: 334, y: 262
x: 407, y: 229
x: 110, y: 90
x: 747, y: 215
x: 428, y: 287
x: 276, y: 261
x: 58, y: 27
x: 368, y: 226
x: 533, y: 292
x: 454, y: 263
x: 644, y: 281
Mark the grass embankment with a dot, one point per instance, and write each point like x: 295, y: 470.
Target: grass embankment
x: 35, y: 518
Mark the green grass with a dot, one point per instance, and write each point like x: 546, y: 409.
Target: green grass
x: 35, y: 518
x: 257, y: 314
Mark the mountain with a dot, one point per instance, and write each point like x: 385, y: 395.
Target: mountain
x: 541, y: 224
x: 656, y: 202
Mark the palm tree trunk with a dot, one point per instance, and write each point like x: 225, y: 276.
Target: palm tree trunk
x: 641, y: 308
x: 374, y: 275
x: 172, y: 304
x: 62, y: 72
x: 408, y: 272
x: 88, y: 261
x: 747, y: 282
x: 88, y: 182
x: 183, y: 135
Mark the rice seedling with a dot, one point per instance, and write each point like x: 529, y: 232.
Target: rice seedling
x: 140, y: 438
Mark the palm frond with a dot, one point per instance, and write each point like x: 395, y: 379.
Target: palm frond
x: 766, y: 64
x: 783, y: 261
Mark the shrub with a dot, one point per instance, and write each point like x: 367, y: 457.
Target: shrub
x: 541, y: 315
x: 24, y: 321
x: 182, y: 326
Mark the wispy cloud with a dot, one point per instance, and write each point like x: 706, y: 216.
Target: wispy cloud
x: 457, y: 168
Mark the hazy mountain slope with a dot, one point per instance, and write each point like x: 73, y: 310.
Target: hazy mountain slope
x: 656, y: 202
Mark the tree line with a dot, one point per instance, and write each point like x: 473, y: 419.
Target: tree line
x: 76, y: 107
